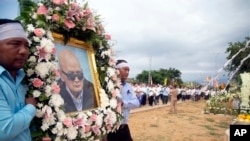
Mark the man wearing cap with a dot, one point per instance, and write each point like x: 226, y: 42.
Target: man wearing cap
x: 16, y: 111
x: 129, y: 100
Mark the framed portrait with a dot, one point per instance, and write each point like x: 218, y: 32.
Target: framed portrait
x: 78, y: 80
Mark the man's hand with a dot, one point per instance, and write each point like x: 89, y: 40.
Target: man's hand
x: 31, y: 100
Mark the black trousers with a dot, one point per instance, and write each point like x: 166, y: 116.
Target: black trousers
x: 122, y: 134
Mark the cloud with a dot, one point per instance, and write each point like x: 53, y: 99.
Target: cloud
x: 191, y: 36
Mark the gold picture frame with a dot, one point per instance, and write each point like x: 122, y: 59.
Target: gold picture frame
x: 85, y: 53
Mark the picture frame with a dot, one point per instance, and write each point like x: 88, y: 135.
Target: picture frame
x: 85, y: 55
x: 47, y: 28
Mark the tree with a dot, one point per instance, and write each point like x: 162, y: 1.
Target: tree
x: 232, y: 50
x: 158, y: 76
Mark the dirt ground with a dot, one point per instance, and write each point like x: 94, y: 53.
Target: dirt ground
x: 189, y: 124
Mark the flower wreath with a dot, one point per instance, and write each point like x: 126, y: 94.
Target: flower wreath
x: 72, y: 21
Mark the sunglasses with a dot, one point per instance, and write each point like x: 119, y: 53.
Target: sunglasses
x: 72, y: 76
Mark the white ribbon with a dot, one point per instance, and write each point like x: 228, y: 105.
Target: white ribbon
x: 12, y: 30
x: 121, y: 65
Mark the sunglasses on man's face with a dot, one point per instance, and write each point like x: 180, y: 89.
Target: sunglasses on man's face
x: 72, y: 76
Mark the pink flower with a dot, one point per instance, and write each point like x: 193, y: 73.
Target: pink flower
x: 107, y: 36
x: 74, y: 5
x: 48, y: 112
x: 46, y: 139
x: 87, y: 11
x: 64, y: 1
x: 70, y: 14
x: 112, y: 61
x: 90, y: 24
x: 37, y: 82
x: 57, y: 73
x: 96, y: 129
x: 39, y: 32
x: 57, y: 2
x: 114, y: 93
x: 55, y: 17
x: 108, y: 126
x: 77, y: 18
x: 119, y: 106
x: 87, y: 128
x: 78, y: 122
x: 42, y: 10
x: 69, y: 24
x: 114, y: 77
x: 53, y: 50
x: 41, y: 53
x: 56, y: 89
x: 93, y: 117
x: 67, y: 122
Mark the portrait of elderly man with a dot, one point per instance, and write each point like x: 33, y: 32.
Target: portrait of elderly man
x: 78, y: 93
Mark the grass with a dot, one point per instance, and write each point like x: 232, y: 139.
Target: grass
x: 210, y: 119
x: 208, y: 127
x: 223, y: 125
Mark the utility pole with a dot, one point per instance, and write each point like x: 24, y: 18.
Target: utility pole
x: 149, y: 72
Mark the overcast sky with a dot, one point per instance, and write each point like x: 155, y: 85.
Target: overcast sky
x: 188, y: 35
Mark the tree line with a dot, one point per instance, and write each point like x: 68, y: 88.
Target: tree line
x: 173, y: 75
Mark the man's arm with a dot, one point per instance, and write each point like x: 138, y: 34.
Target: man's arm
x: 12, y: 124
x: 131, y: 101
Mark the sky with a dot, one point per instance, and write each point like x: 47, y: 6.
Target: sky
x: 189, y: 35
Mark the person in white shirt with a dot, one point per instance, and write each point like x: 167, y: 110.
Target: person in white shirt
x: 129, y: 101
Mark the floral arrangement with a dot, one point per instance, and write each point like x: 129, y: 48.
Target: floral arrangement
x: 66, y: 17
x: 223, y: 103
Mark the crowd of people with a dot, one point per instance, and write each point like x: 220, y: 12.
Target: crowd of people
x: 158, y: 94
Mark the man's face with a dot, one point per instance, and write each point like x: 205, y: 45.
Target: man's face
x: 14, y: 53
x: 72, y: 75
x: 124, y: 72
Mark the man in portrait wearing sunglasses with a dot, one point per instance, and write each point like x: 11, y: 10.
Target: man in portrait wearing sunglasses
x: 77, y: 92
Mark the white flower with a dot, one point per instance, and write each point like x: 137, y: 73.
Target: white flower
x: 72, y: 133
x: 104, y: 98
x: 39, y: 113
x: 48, y: 89
x: 30, y: 72
x: 57, y: 8
x: 39, y: 4
x: 82, y: 132
x: 111, y: 71
x: 47, y: 44
x: 113, y: 102
x: 36, y: 39
x: 111, y: 118
x: 36, y: 93
x: 105, y: 53
x: 59, y: 125
x: 58, y: 138
x: 106, y: 78
x: 34, y: 16
x: 56, y: 100
x: 99, y: 120
x: 40, y: 105
x: 44, y: 127
x: 110, y: 85
x: 61, y: 115
x: 60, y: 133
x: 32, y: 59
x: 49, y: 35
x: 42, y: 69
x: 30, y: 28
x: 48, y: 17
